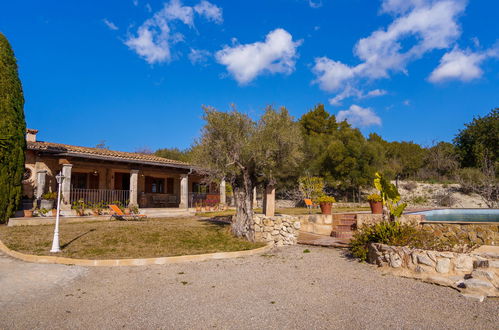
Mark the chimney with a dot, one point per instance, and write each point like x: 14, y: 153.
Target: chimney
x: 31, y: 134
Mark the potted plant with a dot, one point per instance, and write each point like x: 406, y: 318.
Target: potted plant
x: 134, y: 209
x: 376, y: 203
x: 54, y: 212
x: 326, y: 203
x: 79, y: 206
x: 43, y: 212
x: 96, y: 209
x: 47, y: 201
x: 28, y: 213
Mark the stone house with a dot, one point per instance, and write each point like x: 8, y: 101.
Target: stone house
x: 95, y: 175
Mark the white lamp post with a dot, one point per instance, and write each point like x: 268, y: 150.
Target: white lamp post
x: 55, y: 243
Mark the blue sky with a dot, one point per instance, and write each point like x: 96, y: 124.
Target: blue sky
x: 136, y: 72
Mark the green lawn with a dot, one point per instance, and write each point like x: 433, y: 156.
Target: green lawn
x: 121, y: 239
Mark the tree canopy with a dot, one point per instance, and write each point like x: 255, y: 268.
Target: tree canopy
x: 12, y: 132
x: 245, y: 153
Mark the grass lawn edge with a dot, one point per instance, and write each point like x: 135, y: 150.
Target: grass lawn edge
x: 132, y: 262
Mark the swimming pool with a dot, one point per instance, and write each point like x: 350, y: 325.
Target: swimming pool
x: 461, y: 215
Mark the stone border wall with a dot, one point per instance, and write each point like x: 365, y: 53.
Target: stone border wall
x: 475, y: 275
x: 471, y: 233
x: 279, y: 229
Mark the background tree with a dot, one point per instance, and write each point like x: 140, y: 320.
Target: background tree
x: 247, y: 153
x: 175, y: 154
x: 479, y: 139
x: 12, y: 132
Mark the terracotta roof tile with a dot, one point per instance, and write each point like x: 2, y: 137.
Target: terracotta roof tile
x: 102, y: 153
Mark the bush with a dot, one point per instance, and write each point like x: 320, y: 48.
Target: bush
x: 410, y: 186
x: 391, y: 233
x: 419, y: 200
x: 325, y: 199
x: 374, y: 198
x: 445, y: 199
x: 399, y: 234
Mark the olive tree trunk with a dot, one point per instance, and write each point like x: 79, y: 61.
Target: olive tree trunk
x: 242, y: 223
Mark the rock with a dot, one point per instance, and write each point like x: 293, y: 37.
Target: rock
x: 268, y: 222
x: 267, y: 229
x: 476, y: 297
x: 395, y: 261
x: 258, y: 220
x: 274, y: 232
x: 423, y: 259
x: 474, y: 283
x: 297, y: 224
x: 464, y: 263
x: 443, y: 265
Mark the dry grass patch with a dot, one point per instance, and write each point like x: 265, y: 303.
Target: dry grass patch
x: 133, y: 239
x: 289, y: 211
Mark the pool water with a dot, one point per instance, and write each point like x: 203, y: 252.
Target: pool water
x: 462, y: 215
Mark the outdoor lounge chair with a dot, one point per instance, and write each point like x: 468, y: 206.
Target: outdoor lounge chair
x: 118, y: 214
x: 309, y: 204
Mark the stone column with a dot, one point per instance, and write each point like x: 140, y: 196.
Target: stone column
x: 255, y: 201
x: 223, y: 197
x: 184, y: 191
x: 66, y: 187
x: 134, y: 189
x: 41, y: 179
x: 269, y: 205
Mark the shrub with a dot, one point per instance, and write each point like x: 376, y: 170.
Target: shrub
x: 325, y: 199
x: 399, y: 234
x: 410, y: 186
x: 374, y: 198
x: 419, y: 200
x: 445, y: 199
x: 391, y: 233
x: 50, y: 195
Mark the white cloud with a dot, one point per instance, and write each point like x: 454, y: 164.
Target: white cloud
x: 175, y: 10
x: 199, y: 56
x: 110, y: 24
x: 277, y: 54
x: 427, y: 24
x: 407, y: 102
x: 210, y: 11
x: 155, y: 37
x: 315, y: 4
x: 461, y: 65
x: 354, y: 92
x: 148, y: 8
x: 135, y: 3
x: 358, y: 116
x: 376, y: 92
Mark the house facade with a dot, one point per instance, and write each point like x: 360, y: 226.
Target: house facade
x: 97, y: 175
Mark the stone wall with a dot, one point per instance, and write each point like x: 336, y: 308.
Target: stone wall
x: 474, y: 274
x: 280, y: 229
x: 369, y: 218
x: 470, y: 233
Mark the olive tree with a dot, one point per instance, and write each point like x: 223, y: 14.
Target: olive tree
x: 247, y: 153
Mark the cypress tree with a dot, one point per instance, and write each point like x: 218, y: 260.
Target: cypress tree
x: 12, y: 132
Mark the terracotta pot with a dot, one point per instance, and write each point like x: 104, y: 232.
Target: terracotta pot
x: 376, y: 207
x: 28, y: 213
x: 326, y: 208
x: 54, y: 212
x: 81, y: 213
x: 127, y: 211
x: 95, y: 212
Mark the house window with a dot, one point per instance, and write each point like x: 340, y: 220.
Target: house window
x: 199, y: 188
x: 155, y: 185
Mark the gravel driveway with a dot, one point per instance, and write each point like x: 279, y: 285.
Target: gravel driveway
x: 284, y: 289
